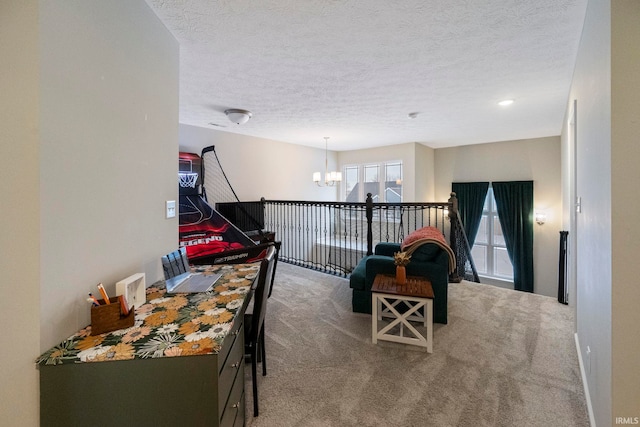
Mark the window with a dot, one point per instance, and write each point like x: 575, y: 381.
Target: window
x: 382, y: 180
x: 371, y: 185
x: 393, y: 182
x: 350, y: 182
x: 489, y: 251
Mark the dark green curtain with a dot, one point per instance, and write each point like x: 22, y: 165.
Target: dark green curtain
x: 471, y: 196
x: 514, y: 202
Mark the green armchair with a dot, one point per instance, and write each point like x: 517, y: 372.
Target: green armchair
x: 428, y: 260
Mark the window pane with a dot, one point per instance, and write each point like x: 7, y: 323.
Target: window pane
x: 392, y: 192
x: 483, y: 233
x: 498, y: 237
x: 393, y: 171
x: 501, y: 263
x: 489, y: 252
x: 487, y: 200
x: 479, y: 255
x: 371, y: 173
x: 371, y: 176
x: 393, y: 183
x: 351, y: 184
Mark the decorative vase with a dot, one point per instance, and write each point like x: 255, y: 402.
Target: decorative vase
x: 401, y: 275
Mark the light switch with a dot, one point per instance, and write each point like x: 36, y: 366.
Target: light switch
x: 171, y: 209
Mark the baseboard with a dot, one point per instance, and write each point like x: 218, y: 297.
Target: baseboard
x: 585, y: 384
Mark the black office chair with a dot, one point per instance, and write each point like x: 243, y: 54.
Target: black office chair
x: 175, y: 263
x: 248, y: 314
x: 254, y: 323
x: 275, y: 265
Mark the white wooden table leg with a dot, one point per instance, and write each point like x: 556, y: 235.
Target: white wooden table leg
x: 374, y: 318
x: 429, y: 324
x: 414, y: 299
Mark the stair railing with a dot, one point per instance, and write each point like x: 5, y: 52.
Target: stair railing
x: 465, y: 267
x: 334, y: 236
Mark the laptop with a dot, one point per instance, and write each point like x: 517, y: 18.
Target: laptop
x: 191, y: 282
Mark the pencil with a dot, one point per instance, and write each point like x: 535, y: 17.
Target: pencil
x: 103, y: 293
x: 123, y: 305
x: 95, y: 300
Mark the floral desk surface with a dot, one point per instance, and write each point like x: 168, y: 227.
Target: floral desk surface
x: 166, y: 325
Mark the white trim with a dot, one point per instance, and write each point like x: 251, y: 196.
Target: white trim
x: 496, y: 281
x: 592, y: 418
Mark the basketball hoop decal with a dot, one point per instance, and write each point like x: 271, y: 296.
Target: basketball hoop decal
x: 187, y: 179
x: 187, y: 173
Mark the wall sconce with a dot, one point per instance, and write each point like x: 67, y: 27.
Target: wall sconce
x: 541, y: 218
x: 330, y: 178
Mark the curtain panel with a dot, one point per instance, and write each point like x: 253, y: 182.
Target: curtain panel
x: 514, y: 202
x: 471, y: 196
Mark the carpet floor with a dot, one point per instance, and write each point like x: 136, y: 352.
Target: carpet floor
x: 505, y: 358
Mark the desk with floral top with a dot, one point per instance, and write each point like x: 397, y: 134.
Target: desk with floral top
x: 181, y: 363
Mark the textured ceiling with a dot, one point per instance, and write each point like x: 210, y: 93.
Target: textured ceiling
x: 353, y: 70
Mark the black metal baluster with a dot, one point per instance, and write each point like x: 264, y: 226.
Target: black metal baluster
x: 330, y: 236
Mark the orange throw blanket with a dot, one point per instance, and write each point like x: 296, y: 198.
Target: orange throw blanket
x: 428, y: 235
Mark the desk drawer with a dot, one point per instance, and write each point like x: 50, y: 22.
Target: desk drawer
x: 234, y: 411
x: 229, y: 372
x: 230, y: 339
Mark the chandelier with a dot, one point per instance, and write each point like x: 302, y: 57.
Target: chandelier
x: 330, y: 178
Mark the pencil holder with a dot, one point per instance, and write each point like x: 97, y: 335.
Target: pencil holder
x: 107, y: 317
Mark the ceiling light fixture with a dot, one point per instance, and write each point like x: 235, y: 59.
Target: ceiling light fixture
x: 330, y: 178
x: 505, y: 102
x: 237, y: 116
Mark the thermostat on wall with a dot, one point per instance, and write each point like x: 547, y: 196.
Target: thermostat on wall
x: 133, y: 288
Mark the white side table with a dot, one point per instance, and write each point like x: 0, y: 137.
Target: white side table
x: 417, y: 293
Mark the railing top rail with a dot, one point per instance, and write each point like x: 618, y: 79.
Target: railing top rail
x: 311, y: 202
x: 362, y: 204
x: 414, y: 204
x: 334, y: 235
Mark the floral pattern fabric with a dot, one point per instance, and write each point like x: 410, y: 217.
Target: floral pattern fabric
x: 167, y: 325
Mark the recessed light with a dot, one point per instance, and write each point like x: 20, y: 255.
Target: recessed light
x: 505, y: 102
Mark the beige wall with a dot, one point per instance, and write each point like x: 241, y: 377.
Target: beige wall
x: 258, y: 167
x: 89, y: 158
x: 108, y: 146
x: 530, y: 159
x: 20, y: 213
x: 591, y: 87
x: 425, y: 174
x: 625, y: 205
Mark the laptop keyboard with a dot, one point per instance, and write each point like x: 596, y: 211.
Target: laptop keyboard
x: 197, y: 283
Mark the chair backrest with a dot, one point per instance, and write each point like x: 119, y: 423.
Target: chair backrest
x: 261, y: 293
x: 175, y: 263
x: 275, y: 264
